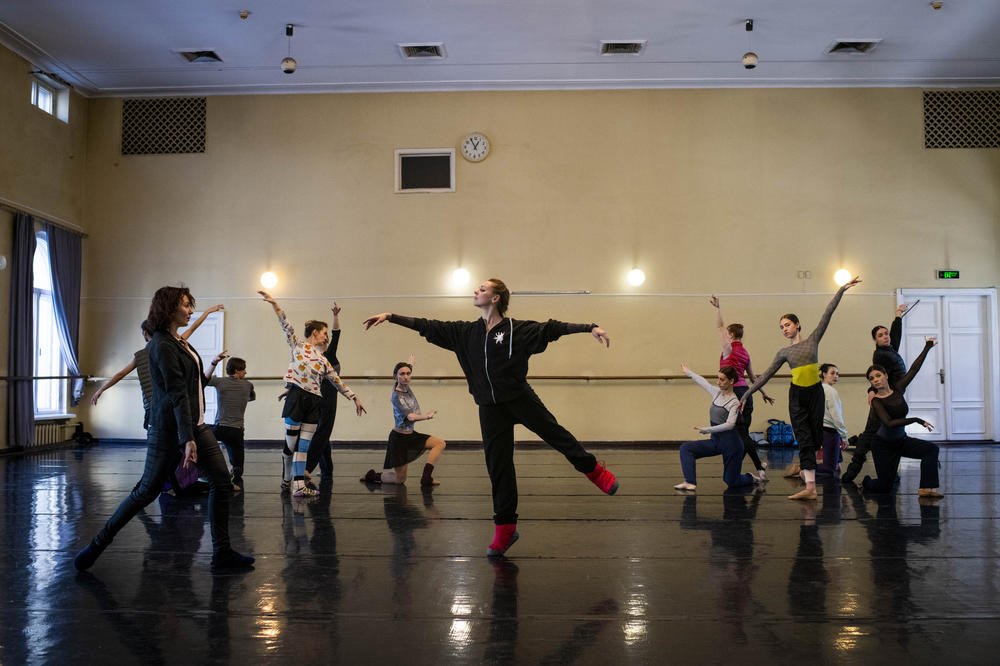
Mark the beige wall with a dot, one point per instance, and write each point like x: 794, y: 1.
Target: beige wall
x: 709, y: 191
x: 724, y: 191
x: 42, y: 165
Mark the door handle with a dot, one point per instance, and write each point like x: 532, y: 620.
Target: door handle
x: 941, y: 375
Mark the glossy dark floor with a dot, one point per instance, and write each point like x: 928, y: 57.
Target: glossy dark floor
x: 396, y: 575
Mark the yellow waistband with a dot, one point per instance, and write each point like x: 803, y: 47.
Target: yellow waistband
x: 806, y: 375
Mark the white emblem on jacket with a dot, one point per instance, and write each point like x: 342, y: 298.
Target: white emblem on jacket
x: 498, y: 338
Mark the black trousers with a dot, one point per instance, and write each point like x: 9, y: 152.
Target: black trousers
x: 319, y: 448
x: 743, y: 428
x: 497, y: 423
x: 162, y: 457
x: 233, y: 438
x: 805, y: 411
x: 886, y: 454
x: 862, y: 446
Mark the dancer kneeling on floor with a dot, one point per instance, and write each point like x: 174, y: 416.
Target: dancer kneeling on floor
x: 891, y: 442
x: 307, y: 368
x: 405, y: 444
x: 725, y: 440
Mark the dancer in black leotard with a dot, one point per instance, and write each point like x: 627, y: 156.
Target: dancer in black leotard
x: 891, y: 442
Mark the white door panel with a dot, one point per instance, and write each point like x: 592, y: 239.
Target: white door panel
x: 955, y: 388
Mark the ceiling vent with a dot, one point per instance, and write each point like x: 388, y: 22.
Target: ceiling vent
x: 423, y: 51
x: 610, y: 47
x: 202, y: 55
x: 853, y: 46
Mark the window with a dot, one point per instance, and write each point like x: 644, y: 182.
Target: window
x: 425, y: 170
x: 50, y: 394
x: 51, y: 96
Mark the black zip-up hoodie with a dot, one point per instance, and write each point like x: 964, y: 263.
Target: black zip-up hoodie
x: 495, y: 362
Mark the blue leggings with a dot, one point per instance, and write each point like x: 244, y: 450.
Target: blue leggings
x: 726, y: 444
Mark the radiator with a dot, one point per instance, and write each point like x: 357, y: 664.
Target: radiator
x: 52, y: 432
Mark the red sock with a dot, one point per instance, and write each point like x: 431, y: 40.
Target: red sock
x: 502, y: 536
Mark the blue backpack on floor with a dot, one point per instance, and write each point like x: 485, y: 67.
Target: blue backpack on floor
x: 780, y: 433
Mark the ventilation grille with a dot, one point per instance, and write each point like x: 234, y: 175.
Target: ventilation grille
x: 622, y: 48
x: 206, y: 55
x: 163, y: 125
x: 962, y: 119
x: 422, y: 51
x: 853, y: 46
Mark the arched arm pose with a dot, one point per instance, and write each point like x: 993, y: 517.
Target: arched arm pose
x: 891, y: 442
x: 307, y: 369
x: 493, y: 352
x: 724, y: 440
x: 805, y: 395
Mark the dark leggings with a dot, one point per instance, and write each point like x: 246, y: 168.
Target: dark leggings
x: 497, y: 423
x: 319, y: 447
x: 162, y: 456
x: 743, y: 428
x: 233, y: 438
x: 805, y: 411
x: 886, y: 455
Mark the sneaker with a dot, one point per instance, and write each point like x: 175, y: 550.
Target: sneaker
x: 604, y: 479
x: 286, y: 486
x: 503, y: 538
x: 304, y: 491
x: 230, y: 559
x: 685, y: 486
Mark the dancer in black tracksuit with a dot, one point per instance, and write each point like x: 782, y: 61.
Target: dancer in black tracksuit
x: 493, y: 352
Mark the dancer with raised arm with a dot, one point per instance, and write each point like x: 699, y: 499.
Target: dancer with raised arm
x: 891, y: 442
x: 307, y: 368
x: 494, y: 351
x: 177, y: 431
x: 406, y: 444
x: 886, y: 355
x: 736, y: 356
x: 805, y: 394
x: 724, y: 440
x: 319, y: 447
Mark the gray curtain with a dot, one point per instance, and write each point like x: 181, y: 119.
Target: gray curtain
x: 20, y: 394
x: 65, y: 250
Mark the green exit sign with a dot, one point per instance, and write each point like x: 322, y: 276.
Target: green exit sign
x: 947, y: 275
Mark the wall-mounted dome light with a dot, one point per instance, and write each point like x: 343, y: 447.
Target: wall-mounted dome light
x: 268, y: 280
x: 842, y: 277
x: 636, y: 277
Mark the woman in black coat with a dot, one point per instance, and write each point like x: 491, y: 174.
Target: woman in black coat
x: 177, y: 431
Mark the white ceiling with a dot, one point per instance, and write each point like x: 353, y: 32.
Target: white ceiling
x: 127, y: 47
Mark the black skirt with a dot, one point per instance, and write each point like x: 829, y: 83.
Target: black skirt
x: 301, y: 406
x: 404, y: 449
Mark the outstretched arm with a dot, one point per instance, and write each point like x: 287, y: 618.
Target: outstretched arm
x: 753, y: 378
x: 896, y: 328
x: 763, y: 379
x: 734, y: 414
x: 915, y: 366
x: 200, y: 320
x: 282, y: 321
x: 118, y: 376
x: 824, y: 320
x: 727, y: 346
x: 883, y: 416
x: 700, y: 381
x: 215, y: 362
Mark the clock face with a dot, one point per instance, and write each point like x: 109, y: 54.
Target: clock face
x: 475, y: 147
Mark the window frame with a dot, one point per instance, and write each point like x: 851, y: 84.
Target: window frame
x: 58, y: 92
x: 54, y: 391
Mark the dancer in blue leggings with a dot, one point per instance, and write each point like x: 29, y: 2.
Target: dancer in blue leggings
x: 725, y: 440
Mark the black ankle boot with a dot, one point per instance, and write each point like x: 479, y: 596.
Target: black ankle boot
x: 86, y: 557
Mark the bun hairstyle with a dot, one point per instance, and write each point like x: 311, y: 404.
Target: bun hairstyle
x: 876, y: 330
x: 395, y: 370
x: 736, y: 330
x: 501, y: 290
x: 792, y: 318
x: 166, y: 300
x: 823, y: 369
x: 872, y: 368
x: 314, y: 325
x: 730, y: 373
